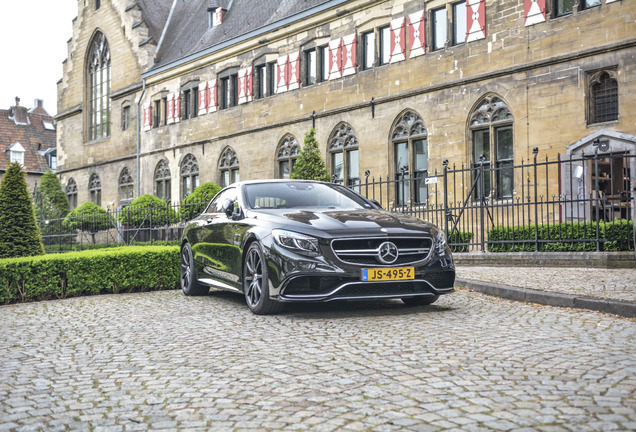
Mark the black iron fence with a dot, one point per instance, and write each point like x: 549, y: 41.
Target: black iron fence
x: 573, y: 203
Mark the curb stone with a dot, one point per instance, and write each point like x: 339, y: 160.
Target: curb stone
x: 622, y: 308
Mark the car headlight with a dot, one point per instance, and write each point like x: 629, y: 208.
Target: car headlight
x: 440, y: 242
x: 299, y: 243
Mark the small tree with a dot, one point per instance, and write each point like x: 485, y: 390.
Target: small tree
x: 146, y: 209
x: 89, y: 217
x: 309, y: 165
x: 51, y: 200
x: 19, y: 233
x: 195, y: 203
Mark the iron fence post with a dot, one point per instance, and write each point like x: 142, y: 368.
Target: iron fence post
x: 597, y: 194
x: 535, y: 151
x: 482, y: 193
x: 446, y: 211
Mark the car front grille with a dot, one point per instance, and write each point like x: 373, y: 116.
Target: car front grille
x: 364, y: 251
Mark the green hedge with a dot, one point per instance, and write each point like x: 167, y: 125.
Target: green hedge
x: 563, y: 237
x: 460, y: 237
x: 124, y: 269
x: 53, y: 247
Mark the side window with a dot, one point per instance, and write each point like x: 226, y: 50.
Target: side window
x: 216, y: 206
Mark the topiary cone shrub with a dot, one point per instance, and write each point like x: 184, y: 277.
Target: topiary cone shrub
x: 19, y: 233
x: 309, y: 165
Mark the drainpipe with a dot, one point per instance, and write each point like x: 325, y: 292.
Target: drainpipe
x: 143, y: 92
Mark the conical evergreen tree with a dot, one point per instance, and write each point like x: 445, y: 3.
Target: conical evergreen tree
x: 309, y: 165
x: 19, y: 234
x: 51, y: 201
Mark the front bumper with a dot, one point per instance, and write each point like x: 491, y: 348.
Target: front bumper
x: 295, y: 278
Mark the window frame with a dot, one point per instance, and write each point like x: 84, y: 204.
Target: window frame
x: 261, y: 80
x: 310, y: 66
x: 71, y: 193
x: 342, y: 143
x: 126, y: 185
x: 407, y: 131
x: 366, y: 52
x: 492, y: 114
x: 323, y: 61
x: 98, y: 82
x: 229, y: 167
x: 455, y: 27
x: 435, y: 46
x: 594, y: 81
x: 163, y: 181
x: 189, y: 175
x: 287, y: 151
x: 95, y: 189
x: 384, y: 36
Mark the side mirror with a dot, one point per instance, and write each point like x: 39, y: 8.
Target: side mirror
x: 376, y: 203
x: 228, y: 207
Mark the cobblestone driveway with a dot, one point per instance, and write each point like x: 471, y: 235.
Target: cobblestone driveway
x: 164, y: 361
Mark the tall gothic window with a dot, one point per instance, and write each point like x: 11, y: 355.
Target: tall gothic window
x: 71, y: 193
x: 95, y: 189
x: 126, y: 185
x: 491, y: 131
x: 603, y: 97
x: 99, y: 87
x: 288, y: 151
x: 343, y: 148
x: 410, y: 156
x: 189, y: 175
x: 229, y: 167
x: 162, y: 181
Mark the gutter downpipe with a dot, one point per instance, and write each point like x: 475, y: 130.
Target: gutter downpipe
x: 143, y: 91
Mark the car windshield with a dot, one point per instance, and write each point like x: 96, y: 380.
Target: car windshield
x: 302, y: 195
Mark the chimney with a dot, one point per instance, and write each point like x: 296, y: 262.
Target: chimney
x: 17, y: 101
x: 20, y: 116
x: 38, y: 103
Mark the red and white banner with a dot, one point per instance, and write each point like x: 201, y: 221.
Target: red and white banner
x: 416, y: 34
x: 475, y: 20
x: 203, y: 98
x: 335, y: 59
x: 245, y: 85
x: 212, y: 96
x: 288, y: 72
x: 398, y: 40
x: 348, y: 51
x: 534, y: 11
x: 148, y: 116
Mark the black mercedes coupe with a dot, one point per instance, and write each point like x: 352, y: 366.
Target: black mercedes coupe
x: 284, y: 241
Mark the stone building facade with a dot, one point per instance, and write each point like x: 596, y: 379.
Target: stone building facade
x: 159, y: 96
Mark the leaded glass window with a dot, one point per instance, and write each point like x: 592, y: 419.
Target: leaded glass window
x: 99, y: 88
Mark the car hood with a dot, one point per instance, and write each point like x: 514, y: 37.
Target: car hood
x: 337, y: 223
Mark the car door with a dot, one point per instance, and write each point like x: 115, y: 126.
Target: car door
x: 218, y: 248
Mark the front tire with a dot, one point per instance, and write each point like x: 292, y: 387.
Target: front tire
x: 420, y: 301
x: 255, y: 283
x: 190, y: 284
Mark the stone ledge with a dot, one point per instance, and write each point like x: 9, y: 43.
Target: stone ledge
x: 548, y: 259
x: 622, y: 308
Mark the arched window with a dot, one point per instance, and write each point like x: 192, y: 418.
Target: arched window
x: 189, y: 175
x: 288, y: 151
x: 603, y: 97
x: 229, y: 167
x: 343, y: 147
x: 71, y: 193
x: 410, y: 155
x: 126, y: 185
x: 491, y: 131
x: 99, y: 87
x: 162, y: 181
x: 95, y: 189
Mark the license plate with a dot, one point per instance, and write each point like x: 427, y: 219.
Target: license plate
x: 388, y: 274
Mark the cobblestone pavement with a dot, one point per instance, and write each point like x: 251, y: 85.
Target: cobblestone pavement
x: 616, y: 284
x: 161, y: 360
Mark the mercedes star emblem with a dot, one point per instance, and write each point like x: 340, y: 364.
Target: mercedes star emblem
x: 387, y: 253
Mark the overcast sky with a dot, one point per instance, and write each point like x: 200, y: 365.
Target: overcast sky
x: 33, y: 35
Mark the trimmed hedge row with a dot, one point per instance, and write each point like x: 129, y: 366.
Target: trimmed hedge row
x: 95, y: 246
x: 563, y: 237
x: 125, y: 269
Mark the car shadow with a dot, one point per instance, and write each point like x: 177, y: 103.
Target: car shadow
x: 337, y: 309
